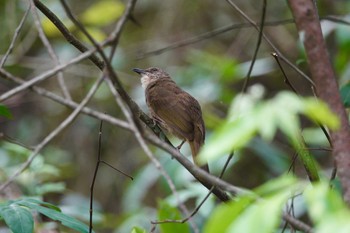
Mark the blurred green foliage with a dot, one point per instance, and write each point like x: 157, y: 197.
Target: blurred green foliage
x: 213, y: 71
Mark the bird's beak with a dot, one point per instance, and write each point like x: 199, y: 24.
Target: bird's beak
x: 139, y: 71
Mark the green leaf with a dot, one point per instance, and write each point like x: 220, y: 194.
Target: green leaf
x: 263, y: 216
x: 327, y: 209
x: 18, y: 218
x: 227, y: 213
x: 276, y: 185
x: 320, y: 113
x: 53, y: 212
x: 4, y: 111
x: 345, y: 95
x: 167, y: 212
x: 103, y: 12
x: 323, y: 201
x: 38, y: 202
x: 138, y: 230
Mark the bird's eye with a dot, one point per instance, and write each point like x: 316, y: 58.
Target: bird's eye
x: 154, y: 69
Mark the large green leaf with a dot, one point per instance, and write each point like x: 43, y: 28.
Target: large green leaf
x: 54, y: 213
x: 227, y: 213
x: 263, y: 216
x: 18, y: 218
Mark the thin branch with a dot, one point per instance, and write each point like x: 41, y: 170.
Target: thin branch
x: 261, y: 27
x: 99, y: 160
x: 94, y: 177
x: 207, y: 35
x: 16, y: 34
x: 50, y: 49
x: 14, y: 141
x: 67, y: 34
x: 116, y: 169
x: 69, y: 103
x: 45, y: 75
x: 53, y: 134
x: 286, y: 79
x: 224, y: 29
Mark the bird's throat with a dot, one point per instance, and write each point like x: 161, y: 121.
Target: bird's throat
x: 145, y: 81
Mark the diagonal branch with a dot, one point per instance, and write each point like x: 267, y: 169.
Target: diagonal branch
x: 12, y: 44
x: 69, y: 103
x: 50, y: 49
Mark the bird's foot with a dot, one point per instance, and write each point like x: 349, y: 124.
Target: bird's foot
x: 179, y: 146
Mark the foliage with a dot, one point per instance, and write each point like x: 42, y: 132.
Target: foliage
x: 250, y: 115
x: 18, y: 217
x: 262, y: 211
x: 4, y: 111
x: 39, y: 179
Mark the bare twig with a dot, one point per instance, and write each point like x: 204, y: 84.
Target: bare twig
x: 207, y: 35
x: 53, y: 134
x: 286, y: 79
x: 69, y: 103
x: 12, y: 44
x: 14, y: 141
x: 99, y: 160
x: 261, y: 27
x: 224, y: 29
x: 45, y: 75
x: 67, y: 34
x: 50, y: 49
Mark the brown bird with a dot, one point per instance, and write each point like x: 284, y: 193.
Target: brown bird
x: 173, y: 109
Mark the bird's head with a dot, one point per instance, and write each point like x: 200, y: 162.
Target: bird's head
x: 150, y: 75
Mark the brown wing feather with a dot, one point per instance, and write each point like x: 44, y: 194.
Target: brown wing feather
x: 171, y: 109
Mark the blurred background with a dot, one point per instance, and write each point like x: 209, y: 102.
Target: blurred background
x: 212, y: 68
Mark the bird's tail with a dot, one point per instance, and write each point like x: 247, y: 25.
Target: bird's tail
x: 195, y: 147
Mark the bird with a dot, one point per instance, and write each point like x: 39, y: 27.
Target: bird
x: 175, y: 110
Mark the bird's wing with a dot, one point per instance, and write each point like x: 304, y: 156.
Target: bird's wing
x: 173, y: 109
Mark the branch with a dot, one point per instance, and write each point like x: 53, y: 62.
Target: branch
x: 66, y: 33
x: 50, y: 50
x: 307, y: 22
x: 69, y: 103
x: 45, y: 75
x: 12, y: 44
